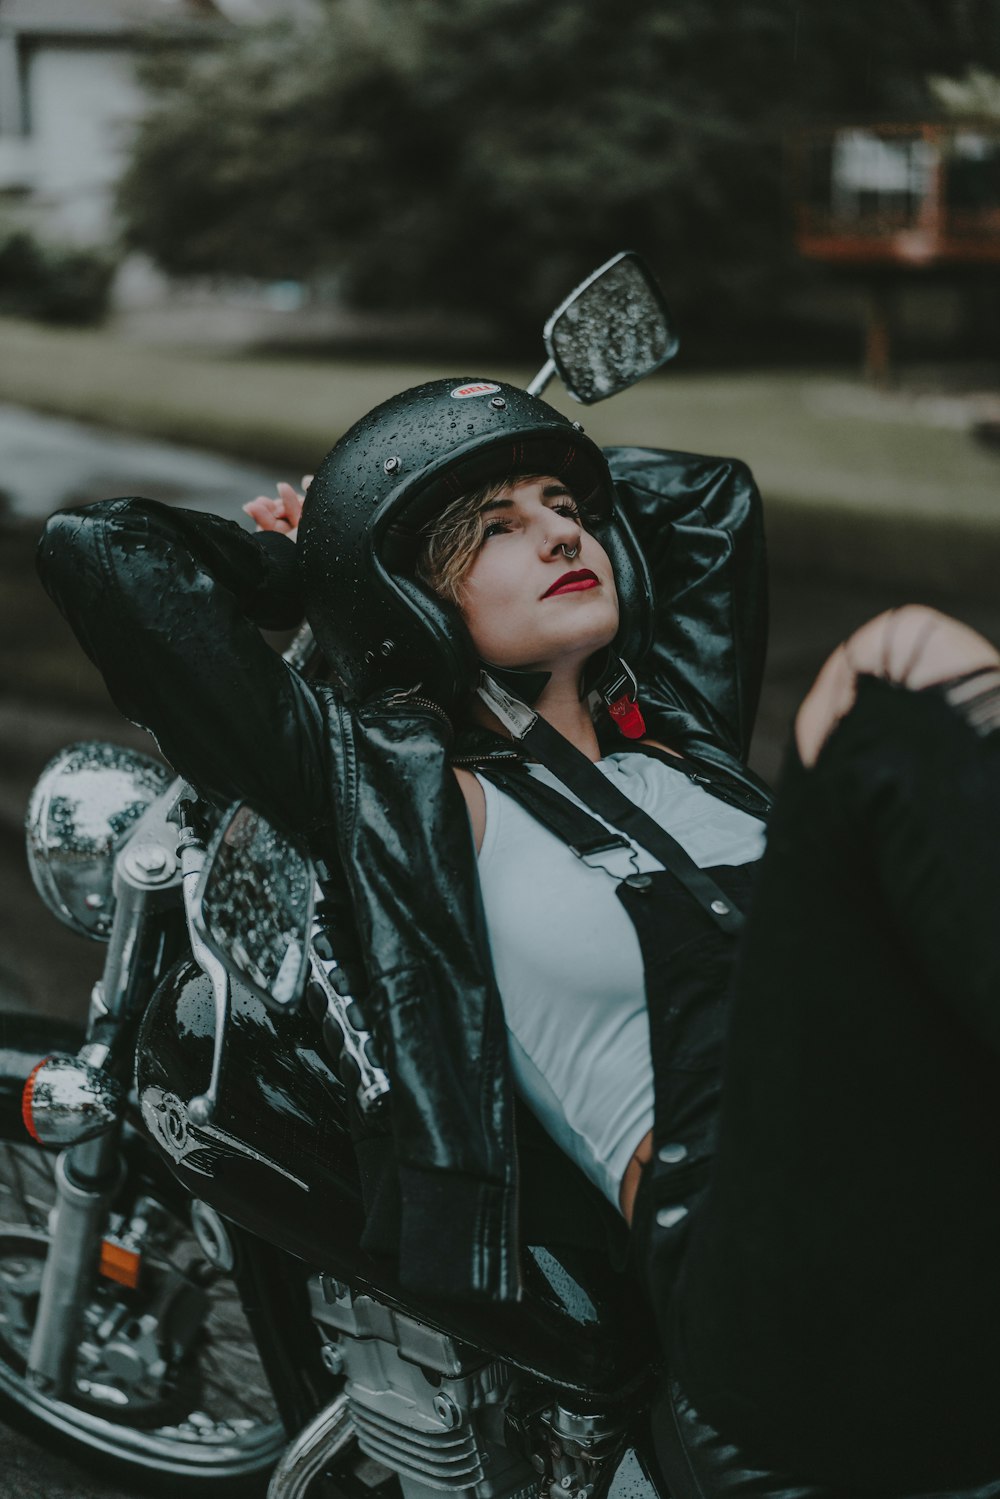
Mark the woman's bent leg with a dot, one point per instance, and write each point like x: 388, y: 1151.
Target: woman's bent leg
x: 838, y: 1310
x: 915, y: 647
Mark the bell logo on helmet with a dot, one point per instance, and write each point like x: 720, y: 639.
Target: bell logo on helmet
x: 477, y: 388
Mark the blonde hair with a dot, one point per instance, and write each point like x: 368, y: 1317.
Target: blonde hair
x: 451, y: 542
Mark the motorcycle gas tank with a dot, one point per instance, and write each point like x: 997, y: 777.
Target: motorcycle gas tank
x: 277, y: 1159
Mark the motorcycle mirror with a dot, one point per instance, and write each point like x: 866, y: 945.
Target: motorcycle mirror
x: 613, y: 330
x: 254, y: 906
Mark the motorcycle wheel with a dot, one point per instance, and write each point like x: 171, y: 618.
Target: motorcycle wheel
x: 206, y: 1420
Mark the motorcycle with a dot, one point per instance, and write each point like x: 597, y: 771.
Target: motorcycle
x: 182, y: 1291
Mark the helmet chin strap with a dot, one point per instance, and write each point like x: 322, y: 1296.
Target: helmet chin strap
x: 511, y: 693
x: 617, y: 688
x: 527, y: 686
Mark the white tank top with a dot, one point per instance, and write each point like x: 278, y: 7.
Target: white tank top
x: 568, y: 963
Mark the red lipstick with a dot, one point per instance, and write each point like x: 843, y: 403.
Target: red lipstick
x: 573, y: 582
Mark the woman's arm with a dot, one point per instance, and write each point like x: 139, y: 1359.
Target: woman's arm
x: 166, y: 603
x: 698, y: 521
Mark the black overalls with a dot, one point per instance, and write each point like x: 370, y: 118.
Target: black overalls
x: 687, y: 963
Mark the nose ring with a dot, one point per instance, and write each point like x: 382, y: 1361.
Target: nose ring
x: 569, y: 552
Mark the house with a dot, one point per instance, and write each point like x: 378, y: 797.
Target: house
x: 68, y: 95
x: 906, y: 213
x: 908, y: 195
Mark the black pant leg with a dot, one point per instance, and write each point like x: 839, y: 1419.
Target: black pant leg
x: 838, y: 1307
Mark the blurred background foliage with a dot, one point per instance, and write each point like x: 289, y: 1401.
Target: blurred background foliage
x: 417, y: 152
x: 55, y: 283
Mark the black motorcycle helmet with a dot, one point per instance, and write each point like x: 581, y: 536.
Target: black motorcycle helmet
x: 376, y: 491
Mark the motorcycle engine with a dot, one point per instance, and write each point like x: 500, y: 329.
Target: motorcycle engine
x: 443, y: 1419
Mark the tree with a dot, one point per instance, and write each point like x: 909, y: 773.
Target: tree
x: 487, y: 154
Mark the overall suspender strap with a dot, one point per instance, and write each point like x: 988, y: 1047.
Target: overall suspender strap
x: 584, y: 834
x: 571, y: 766
x: 580, y: 832
x: 585, y: 781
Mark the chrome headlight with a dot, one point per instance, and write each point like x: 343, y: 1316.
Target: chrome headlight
x: 85, y: 805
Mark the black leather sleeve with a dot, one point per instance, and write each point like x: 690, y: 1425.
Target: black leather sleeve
x: 163, y: 602
x: 166, y: 603
x: 699, y: 523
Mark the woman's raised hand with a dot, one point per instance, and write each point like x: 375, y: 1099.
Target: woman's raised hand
x: 281, y: 513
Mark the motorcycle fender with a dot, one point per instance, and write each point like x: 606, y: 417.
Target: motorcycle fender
x: 24, y: 1041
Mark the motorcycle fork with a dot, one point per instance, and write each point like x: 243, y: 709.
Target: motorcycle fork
x: 89, y: 1175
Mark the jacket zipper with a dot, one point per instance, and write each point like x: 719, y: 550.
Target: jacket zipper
x: 408, y: 700
x: 486, y: 759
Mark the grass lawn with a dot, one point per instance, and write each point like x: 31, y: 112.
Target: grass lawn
x: 270, y: 410
x: 856, y: 482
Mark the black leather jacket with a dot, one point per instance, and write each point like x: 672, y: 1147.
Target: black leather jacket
x: 167, y: 603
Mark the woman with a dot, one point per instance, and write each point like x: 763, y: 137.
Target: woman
x: 862, y: 1041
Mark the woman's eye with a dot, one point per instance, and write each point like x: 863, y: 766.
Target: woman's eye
x: 494, y: 528
x: 570, y: 508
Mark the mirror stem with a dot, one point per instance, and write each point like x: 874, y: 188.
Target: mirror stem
x: 543, y: 378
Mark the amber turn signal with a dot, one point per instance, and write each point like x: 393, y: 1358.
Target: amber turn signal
x: 66, y: 1100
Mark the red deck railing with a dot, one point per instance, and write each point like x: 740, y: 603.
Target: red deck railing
x: 907, y: 195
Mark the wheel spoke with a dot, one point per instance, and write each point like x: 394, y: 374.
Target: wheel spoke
x: 231, y: 1382
x: 255, y: 1402
x: 233, y: 1349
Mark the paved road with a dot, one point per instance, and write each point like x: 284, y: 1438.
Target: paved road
x: 27, y: 1471
x: 51, y: 696
x: 48, y: 463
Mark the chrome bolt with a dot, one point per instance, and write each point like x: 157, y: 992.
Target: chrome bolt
x: 387, y: 647
x: 151, y: 857
x: 498, y: 403
x: 720, y: 908
x: 332, y: 1358
x: 151, y: 862
x: 392, y: 465
x: 447, y: 1411
x: 578, y: 426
